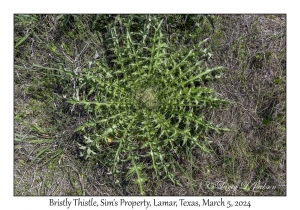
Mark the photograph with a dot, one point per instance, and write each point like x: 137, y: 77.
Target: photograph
x: 149, y: 105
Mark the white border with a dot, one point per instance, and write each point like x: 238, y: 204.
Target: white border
x: 8, y: 8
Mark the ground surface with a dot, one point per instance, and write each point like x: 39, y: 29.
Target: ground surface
x: 250, y: 159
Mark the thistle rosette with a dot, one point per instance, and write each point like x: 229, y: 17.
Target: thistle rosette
x: 146, y: 105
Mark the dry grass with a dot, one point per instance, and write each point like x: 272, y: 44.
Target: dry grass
x: 253, y: 50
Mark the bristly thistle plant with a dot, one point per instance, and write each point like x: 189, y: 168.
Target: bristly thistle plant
x: 146, y: 105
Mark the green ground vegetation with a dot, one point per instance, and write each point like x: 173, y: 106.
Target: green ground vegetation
x: 149, y: 104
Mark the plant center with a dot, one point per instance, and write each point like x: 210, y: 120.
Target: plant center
x: 147, y: 97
